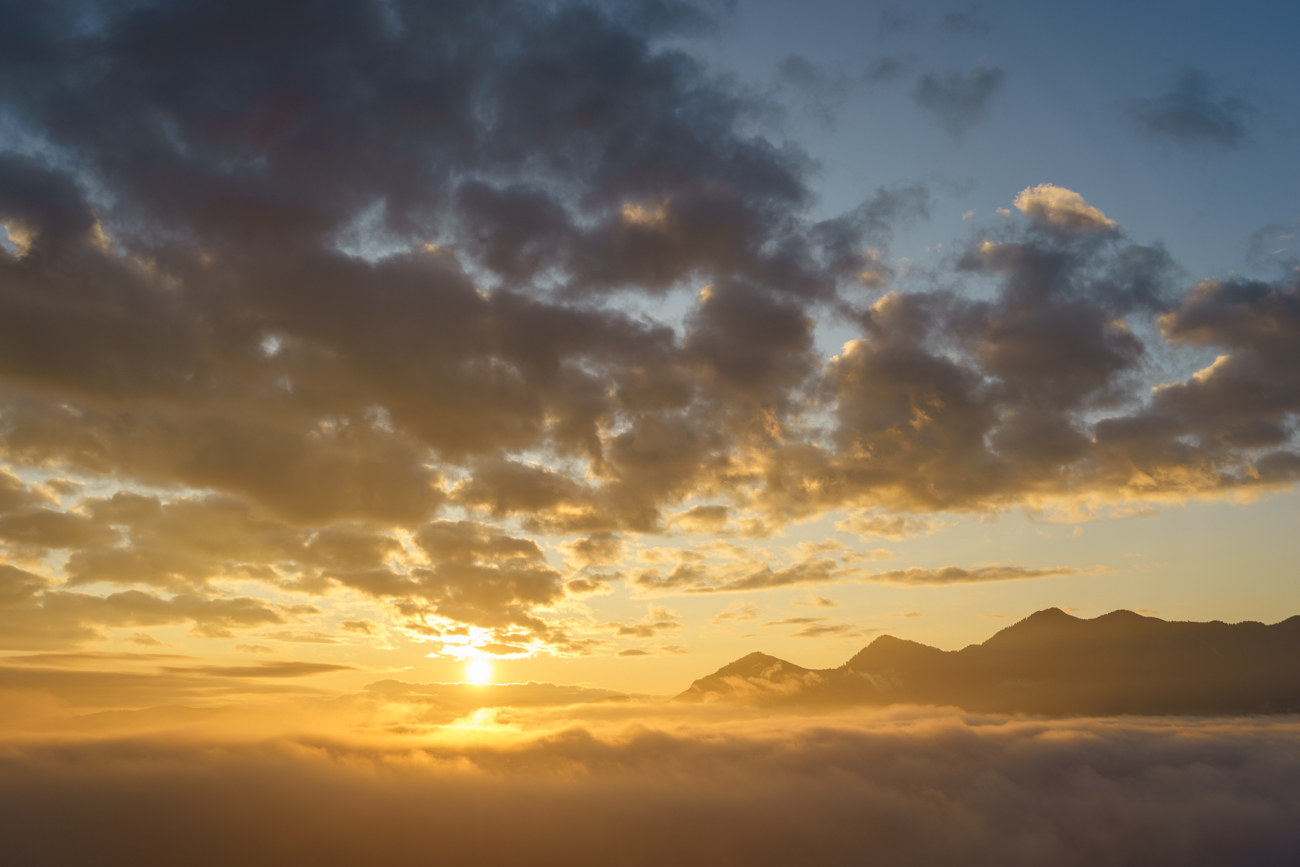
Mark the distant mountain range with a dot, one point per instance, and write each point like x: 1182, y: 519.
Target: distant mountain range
x: 1049, y: 663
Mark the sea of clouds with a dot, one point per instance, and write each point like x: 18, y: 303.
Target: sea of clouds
x: 370, y: 780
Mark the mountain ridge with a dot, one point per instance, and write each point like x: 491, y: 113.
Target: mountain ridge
x: 1050, y: 663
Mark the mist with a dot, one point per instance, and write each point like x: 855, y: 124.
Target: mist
x: 640, y: 782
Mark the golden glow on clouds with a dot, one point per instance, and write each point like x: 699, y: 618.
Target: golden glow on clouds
x: 19, y: 234
x: 369, y: 379
x: 1050, y: 205
x: 1203, y: 375
x: 534, y: 773
x: 492, y: 425
x: 650, y: 215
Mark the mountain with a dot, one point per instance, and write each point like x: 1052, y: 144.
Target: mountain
x: 756, y: 677
x: 1049, y: 663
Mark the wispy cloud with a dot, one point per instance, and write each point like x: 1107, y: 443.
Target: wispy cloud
x: 960, y: 100
x: 1195, y: 113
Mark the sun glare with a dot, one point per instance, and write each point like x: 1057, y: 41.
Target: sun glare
x: 478, y: 671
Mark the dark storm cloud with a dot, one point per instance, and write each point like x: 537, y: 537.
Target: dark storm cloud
x: 960, y: 100
x: 1193, y: 114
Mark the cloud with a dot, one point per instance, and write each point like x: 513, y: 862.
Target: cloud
x: 394, y: 304
x: 658, y: 620
x: 820, y: 627
x: 1241, y: 401
x: 65, y: 487
x: 794, y: 621
x: 917, y: 576
x: 600, y: 549
x: 1274, y: 247
x: 1058, y: 209
x: 896, y: 527
x: 919, y: 787
x: 658, y: 650
x: 34, y: 616
x: 887, y: 69
x: 265, y: 669
x: 959, y: 100
x: 969, y: 20
x: 737, y: 578
x: 701, y: 519
x: 337, y: 422
x: 822, y: 91
x: 867, y: 556
x: 816, y: 602
x: 736, y: 613
x: 156, y: 679
x: 299, y: 636
x: 1193, y: 114
x: 587, y: 586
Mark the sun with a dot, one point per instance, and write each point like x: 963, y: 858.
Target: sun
x: 478, y: 671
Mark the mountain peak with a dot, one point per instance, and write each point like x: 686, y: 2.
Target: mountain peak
x: 1047, y: 624
x: 751, y: 663
x: 754, y: 675
x: 1050, y: 615
x: 888, y: 651
x: 1050, y: 662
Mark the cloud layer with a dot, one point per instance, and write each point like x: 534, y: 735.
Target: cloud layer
x: 911, y: 787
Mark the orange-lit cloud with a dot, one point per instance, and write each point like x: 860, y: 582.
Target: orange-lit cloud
x: 1050, y: 206
x: 271, y: 365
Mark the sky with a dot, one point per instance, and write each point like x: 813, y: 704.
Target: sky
x: 610, y: 342
x: 402, y: 400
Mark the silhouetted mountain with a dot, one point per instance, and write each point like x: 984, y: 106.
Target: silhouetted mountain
x: 1049, y: 663
x: 756, y: 676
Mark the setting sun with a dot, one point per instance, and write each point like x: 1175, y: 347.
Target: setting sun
x: 478, y: 671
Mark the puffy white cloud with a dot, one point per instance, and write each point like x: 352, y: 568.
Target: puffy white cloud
x: 1053, y: 207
